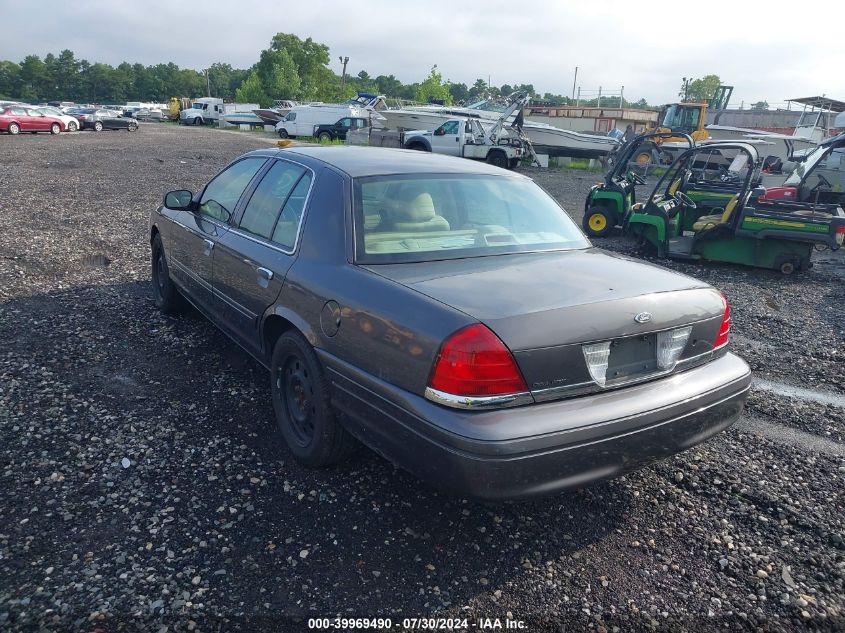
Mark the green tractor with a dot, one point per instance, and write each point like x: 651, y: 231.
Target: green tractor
x: 708, y: 206
x: 608, y: 202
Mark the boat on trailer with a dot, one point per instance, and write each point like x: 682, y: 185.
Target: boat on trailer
x: 545, y: 138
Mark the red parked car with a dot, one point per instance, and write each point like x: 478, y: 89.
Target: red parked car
x: 15, y: 119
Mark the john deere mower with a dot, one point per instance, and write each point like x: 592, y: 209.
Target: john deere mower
x: 609, y: 201
x: 732, y: 221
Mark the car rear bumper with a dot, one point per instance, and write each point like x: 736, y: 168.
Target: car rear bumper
x: 540, y: 449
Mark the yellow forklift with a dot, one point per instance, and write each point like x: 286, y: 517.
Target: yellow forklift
x: 685, y: 120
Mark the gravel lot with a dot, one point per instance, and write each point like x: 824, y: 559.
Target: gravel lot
x: 143, y: 484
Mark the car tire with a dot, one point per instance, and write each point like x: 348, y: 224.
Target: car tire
x: 283, y: 133
x: 165, y: 293
x: 324, y: 137
x: 14, y: 128
x: 98, y: 126
x: 420, y: 147
x: 598, y: 222
x: 197, y: 121
x: 302, y: 403
x: 72, y: 127
x: 132, y: 127
x: 55, y: 129
x: 497, y: 158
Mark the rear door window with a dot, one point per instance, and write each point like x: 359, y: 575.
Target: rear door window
x: 287, y: 227
x: 270, y: 195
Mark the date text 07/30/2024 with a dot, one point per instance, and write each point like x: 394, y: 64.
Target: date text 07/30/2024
x: 417, y: 624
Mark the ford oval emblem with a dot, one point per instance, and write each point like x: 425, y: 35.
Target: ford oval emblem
x: 643, y: 317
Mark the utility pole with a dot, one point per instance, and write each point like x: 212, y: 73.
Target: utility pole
x: 344, y: 61
x: 622, y: 97
x: 207, y: 82
x: 575, y: 79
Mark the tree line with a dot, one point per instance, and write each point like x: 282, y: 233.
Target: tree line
x: 291, y: 68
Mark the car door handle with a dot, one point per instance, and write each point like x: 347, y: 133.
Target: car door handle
x: 264, y: 273
x: 209, y: 246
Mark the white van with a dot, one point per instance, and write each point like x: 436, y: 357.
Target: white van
x: 302, y: 119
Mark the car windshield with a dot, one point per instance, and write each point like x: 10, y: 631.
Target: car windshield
x: 438, y: 216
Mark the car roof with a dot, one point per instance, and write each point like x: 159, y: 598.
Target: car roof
x: 358, y: 162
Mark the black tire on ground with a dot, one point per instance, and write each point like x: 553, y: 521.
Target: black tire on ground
x: 420, y: 147
x: 98, y: 126
x: 514, y: 162
x: 324, y: 137
x: 598, y: 222
x: 132, y: 127
x: 14, y: 128
x: 72, y: 126
x: 787, y: 268
x: 55, y: 128
x: 302, y: 402
x: 497, y: 158
x: 197, y: 121
x: 165, y: 294
x: 283, y: 133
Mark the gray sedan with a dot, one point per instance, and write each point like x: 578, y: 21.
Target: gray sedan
x: 450, y: 316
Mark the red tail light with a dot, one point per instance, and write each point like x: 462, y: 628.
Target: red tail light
x: 840, y: 234
x: 474, y: 362
x: 724, y: 328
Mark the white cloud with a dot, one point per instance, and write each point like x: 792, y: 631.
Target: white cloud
x: 765, y: 50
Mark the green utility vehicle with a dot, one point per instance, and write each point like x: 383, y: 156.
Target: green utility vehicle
x: 608, y: 202
x: 707, y: 206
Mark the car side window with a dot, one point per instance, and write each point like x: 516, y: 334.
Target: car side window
x: 220, y: 197
x: 344, y: 122
x: 270, y: 195
x: 288, y: 225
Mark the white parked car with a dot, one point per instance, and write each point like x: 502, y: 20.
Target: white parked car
x: 71, y: 122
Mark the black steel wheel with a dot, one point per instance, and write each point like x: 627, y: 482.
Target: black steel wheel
x: 302, y: 402
x: 497, y: 158
x: 165, y: 293
x: 283, y: 133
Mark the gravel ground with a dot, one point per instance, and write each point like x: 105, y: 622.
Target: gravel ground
x: 143, y: 485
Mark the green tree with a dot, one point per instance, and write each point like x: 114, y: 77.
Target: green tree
x: 311, y: 60
x: 478, y: 89
x: 459, y: 92
x: 434, y: 88
x: 388, y: 85
x: 9, y: 79
x: 701, y: 89
x: 33, y: 75
x: 252, y: 91
x: 278, y: 75
x: 67, y: 77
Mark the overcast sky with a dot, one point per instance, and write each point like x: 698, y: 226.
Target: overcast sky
x: 767, y: 52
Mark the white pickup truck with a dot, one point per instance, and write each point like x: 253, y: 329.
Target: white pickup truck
x: 465, y: 137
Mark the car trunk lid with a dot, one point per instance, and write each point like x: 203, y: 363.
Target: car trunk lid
x: 546, y: 306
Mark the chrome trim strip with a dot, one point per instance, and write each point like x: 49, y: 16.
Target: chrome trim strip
x: 478, y: 403
x: 581, y: 388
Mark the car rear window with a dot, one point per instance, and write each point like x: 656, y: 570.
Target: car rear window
x: 441, y: 216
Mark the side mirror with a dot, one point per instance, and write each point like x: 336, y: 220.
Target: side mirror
x: 180, y: 200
